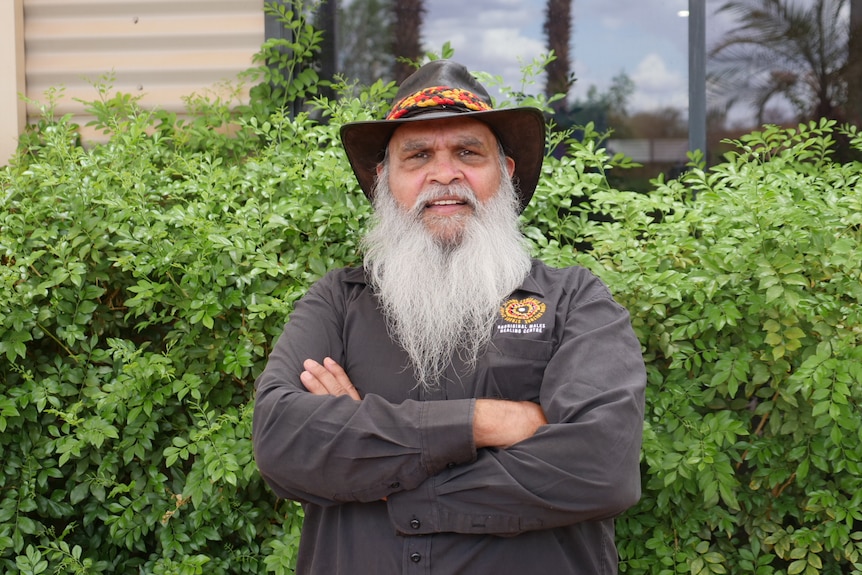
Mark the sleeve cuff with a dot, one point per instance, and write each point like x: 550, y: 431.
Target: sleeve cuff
x: 447, y: 434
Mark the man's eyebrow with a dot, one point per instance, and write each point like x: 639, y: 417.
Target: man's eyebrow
x: 419, y: 144
x: 415, y: 145
x: 471, y: 142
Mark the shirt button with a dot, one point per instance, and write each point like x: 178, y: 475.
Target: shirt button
x: 395, y: 485
x: 415, y: 524
x: 451, y: 465
x: 415, y: 557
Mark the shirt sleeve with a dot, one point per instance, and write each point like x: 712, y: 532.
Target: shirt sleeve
x: 327, y: 450
x: 582, y: 466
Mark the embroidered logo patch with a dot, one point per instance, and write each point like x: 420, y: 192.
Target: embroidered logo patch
x: 522, y: 311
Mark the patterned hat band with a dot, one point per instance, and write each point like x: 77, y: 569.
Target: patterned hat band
x: 442, y: 96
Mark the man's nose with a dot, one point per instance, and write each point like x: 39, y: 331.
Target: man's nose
x: 445, y: 171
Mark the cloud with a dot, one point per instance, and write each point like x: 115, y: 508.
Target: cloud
x: 494, y: 36
x: 489, y: 30
x: 508, y: 45
x: 657, y: 86
x: 645, y: 15
x: 612, y: 22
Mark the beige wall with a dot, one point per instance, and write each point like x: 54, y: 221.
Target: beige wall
x: 160, y: 50
x: 12, y: 111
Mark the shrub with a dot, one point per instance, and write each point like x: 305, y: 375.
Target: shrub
x: 142, y: 288
x: 143, y: 283
x: 744, y: 286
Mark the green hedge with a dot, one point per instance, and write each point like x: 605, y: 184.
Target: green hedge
x: 145, y: 279
x: 745, y: 285
x: 142, y: 288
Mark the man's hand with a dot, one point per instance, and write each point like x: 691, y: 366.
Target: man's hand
x: 327, y: 379
x: 500, y: 423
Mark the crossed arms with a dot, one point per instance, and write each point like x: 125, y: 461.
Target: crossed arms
x: 496, y: 422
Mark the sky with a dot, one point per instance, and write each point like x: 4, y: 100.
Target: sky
x: 646, y: 39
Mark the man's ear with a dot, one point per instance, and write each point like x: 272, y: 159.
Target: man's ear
x: 510, y: 165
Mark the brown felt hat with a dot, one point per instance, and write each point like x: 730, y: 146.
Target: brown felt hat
x: 440, y: 89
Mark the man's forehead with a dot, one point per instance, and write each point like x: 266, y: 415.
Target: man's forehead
x: 462, y: 130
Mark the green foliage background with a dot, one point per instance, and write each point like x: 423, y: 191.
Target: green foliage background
x: 744, y: 286
x: 144, y: 280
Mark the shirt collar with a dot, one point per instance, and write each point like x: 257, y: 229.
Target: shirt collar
x: 358, y: 276
x: 354, y: 276
x: 531, y: 285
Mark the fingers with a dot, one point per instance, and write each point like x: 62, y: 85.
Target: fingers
x: 328, y: 378
x: 343, y: 382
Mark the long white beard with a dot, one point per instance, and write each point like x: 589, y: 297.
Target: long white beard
x: 441, y: 294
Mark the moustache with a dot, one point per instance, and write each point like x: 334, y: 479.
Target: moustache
x: 458, y: 193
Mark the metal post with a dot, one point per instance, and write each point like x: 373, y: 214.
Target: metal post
x: 697, y: 75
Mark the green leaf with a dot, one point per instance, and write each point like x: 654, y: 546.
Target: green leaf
x: 79, y: 493
x: 794, y: 333
x: 773, y: 293
x: 815, y: 561
x: 25, y: 525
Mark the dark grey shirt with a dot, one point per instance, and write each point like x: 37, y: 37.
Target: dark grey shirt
x: 394, y: 484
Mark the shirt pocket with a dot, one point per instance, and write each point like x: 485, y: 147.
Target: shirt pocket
x: 513, y: 368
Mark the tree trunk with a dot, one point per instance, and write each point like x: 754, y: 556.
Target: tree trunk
x: 328, y: 58
x: 408, y: 28
x: 853, y: 72
x: 558, y: 28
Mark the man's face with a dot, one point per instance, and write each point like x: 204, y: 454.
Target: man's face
x: 427, y: 157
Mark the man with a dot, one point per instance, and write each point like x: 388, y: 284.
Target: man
x: 454, y: 406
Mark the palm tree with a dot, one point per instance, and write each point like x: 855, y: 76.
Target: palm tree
x: 783, y: 50
x: 558, y: 29
x: 407, y: 30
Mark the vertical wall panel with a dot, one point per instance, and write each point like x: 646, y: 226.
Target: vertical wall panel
x: 13, y: 114
x: 161, y: 50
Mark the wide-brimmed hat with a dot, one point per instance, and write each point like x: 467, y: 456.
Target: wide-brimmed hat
x: 441, y: 89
